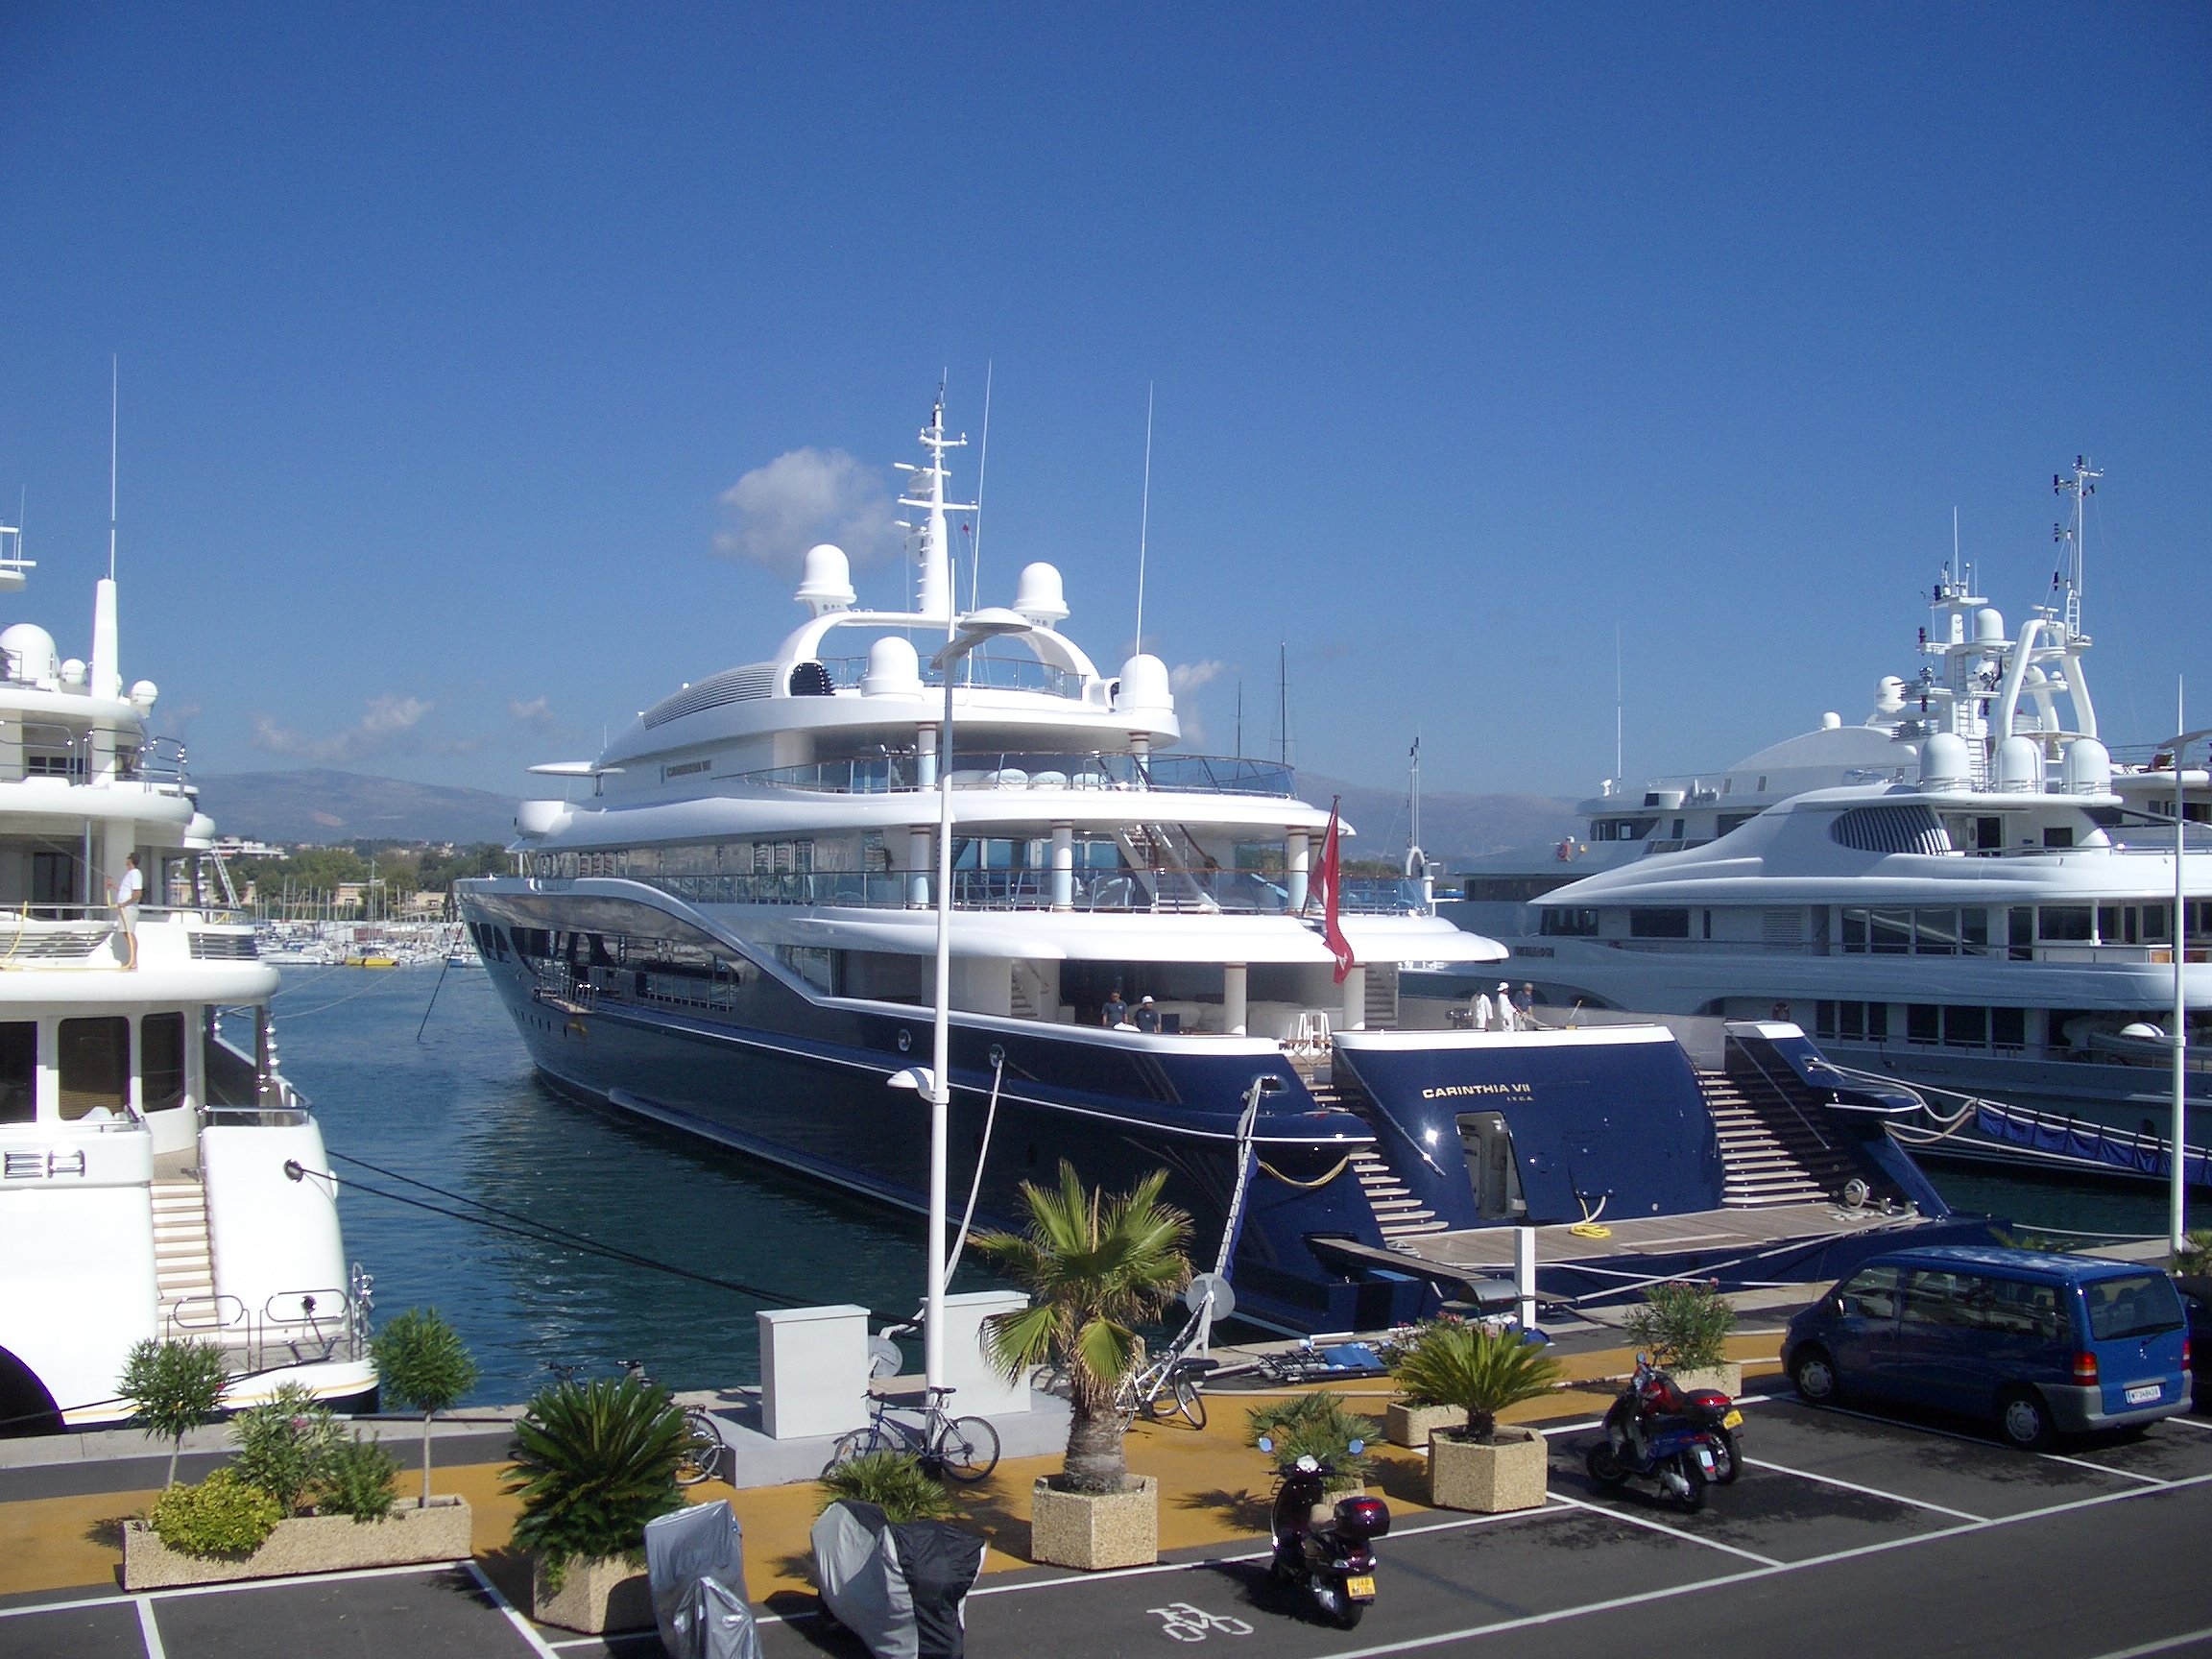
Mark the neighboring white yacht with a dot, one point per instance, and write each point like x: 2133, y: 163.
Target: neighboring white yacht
x: 733, y: 932
x: 158, y: 1178
x: 1966, y: 890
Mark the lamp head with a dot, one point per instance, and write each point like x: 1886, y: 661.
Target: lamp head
x: 915, y: 1077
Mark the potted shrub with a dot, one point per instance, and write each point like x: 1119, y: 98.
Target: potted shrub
x: 299, y: 1496
x: 1411, y: 1419
x: 1479, y: 1465
x: 173, y: 1388
x: 893, y: 1481
x: 1095, y: 1267
x: 1685, y: 1328
x: 1318, y: 1426
x: 422, y: 1363
x: 593, y: 1462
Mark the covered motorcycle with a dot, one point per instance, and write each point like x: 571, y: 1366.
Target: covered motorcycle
x: 695, y: 1562
x: 901, y: 1587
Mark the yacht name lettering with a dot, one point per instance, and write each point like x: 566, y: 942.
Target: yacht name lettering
x: 1459, y: 1091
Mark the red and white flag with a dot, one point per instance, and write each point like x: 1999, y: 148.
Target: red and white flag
x: 1324, y: 885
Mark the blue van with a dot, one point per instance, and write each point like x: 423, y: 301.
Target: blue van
x: 2041, y: 1344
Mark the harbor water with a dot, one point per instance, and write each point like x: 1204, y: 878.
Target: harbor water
x: 462, y: 1109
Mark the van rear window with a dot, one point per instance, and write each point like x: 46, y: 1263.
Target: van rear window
x: 2139, y: 1305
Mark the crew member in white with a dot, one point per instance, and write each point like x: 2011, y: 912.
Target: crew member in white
x: 125, y: 895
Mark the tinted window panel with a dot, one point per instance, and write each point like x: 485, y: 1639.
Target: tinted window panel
x: 18, y: 1071
x: 2139, y: 1305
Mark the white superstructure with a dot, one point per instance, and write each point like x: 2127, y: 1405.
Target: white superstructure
x: 1967, y: 888
x: 145, y: 1131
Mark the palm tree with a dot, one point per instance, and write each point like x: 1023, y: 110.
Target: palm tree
x: 1095, y: 1266
x: 1479, y: 1370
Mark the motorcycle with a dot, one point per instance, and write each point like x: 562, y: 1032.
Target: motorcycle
x: 1683, y: 1440
x: 1325, y: 1547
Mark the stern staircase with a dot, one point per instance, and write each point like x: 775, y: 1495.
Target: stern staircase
x: 1770, y: 1154
x: 184, y: 1262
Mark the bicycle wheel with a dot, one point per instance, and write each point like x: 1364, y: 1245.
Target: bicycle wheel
x: 700, y: 1459
x: 1189, y: 1402
x: 854, y: 1443
x: 969, y: 1450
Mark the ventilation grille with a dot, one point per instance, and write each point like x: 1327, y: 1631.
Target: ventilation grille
x: 1891, y: 829
x: 223, y: 947
x: 731, y: 685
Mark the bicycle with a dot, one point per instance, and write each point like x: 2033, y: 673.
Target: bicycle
x: 963, y: 1449
x: 699, y: 1458
x: 1170, y: 1381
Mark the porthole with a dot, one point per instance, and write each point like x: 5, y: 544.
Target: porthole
x: 905, y: 1040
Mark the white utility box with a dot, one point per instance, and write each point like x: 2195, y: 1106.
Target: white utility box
x: 813, y: 1371
x: 983, y: 1388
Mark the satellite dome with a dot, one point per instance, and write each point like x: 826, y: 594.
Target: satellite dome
x: 31, y: 653
x: 1830, y: 721
x: 1145, y: 689
x: 1988, y: 626
x: 1888, y: 694
x: 894, y: 670
x: 73, y: 672
x: 2019, y: 766
x: 826, y: 584
x: 2088, y: 769
x: 143, y: 695
x: 1943, y: 761
x: 1038, y: 595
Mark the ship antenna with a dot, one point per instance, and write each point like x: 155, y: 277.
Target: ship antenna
x: 2081, y: 484
x: 115, y: 427
x: 1620, y: 766
x: 975, y: 536
x: 1145, y: 516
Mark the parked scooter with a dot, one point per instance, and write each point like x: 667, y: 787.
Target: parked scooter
x: 1684, y: 1440
x: 1322, y: 1546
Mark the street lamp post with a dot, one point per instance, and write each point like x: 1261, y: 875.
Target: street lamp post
x: 2176, y: 1174
x: 971, y: 630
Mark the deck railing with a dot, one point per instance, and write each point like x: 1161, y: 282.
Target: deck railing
x: 894, y: 773
x: 1231, y: 892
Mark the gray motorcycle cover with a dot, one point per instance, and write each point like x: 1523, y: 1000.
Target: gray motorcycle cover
x: 856, y: 1564
x: 695, y: 1562
x: 941, y: 1563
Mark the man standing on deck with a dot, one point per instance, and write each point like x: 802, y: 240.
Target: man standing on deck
x: 1114, y: 1011
x: 125, y: 895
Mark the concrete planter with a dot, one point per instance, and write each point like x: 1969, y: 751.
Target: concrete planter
x: 306, y: 1544
x: 1488, y: 1480
x: 1409, y: 1425
x: 605, y: 1592
x: 1093, y: 1532
x: 1727, y: 1376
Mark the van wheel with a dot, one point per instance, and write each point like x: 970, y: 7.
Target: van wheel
x: 2024, y: 1420
x: 1812, y: 1374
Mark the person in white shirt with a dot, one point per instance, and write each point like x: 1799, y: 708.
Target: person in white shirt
x: 125, y: 895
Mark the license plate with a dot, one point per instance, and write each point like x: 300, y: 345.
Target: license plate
x: 1362, y: 1588
x: 1734, y: 1419
x: 2146, y: 1394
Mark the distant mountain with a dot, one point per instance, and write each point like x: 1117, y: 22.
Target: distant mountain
x: 321, y: 804
x: 1455, y: 824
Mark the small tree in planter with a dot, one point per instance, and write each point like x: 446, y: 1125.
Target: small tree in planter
x: 1096, y: 1267
x: 593, y: 1462
x: 422, y: 1363
x: 175, y: 1387
x: 285, y: 1447
x: 1319, y: 1425
x: 1480, y: 1371
x: 1685, y: 1326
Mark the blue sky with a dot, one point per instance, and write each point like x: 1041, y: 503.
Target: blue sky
x: 1477, y: 334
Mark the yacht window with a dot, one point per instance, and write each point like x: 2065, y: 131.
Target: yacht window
x: 1853, y: 932
x: 1892, y: 933
x: 1559, y: 921
x: 2008, y: 1027
x: 2020, y: 933
x: 1973, y: 931
x: 2064, y: 924
x: 1731, y: 822
x: 2156, y: 924
x: 2056, y: 835
x: 2109, y: 924
x: 1935, y: 933
x: 18, y: 1071
x: 1659, y: 924
x: 160, y: 1062
x: 95, y: 1056
x: 1966, y: 1027
x: 1989, y: 834
x: 1923, y: 1023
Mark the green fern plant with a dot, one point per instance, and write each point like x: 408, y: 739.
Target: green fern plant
x: 1479, y: 1370
x: 894, y: 1482
x: 593, y: 1463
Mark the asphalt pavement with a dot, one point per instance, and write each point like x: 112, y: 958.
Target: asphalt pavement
x: 1846, y: 1535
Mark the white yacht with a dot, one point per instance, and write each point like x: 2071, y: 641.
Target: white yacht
x: 731, y: 929
x: 1966, y: 890
x: 158, y: 1178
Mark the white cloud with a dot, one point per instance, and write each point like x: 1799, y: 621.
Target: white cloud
x: 1190, y: 675
x: 804, y: 497
x: 388, y: 724
x: 537, y: 714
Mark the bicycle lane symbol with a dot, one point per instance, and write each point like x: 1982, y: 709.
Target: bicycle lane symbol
x: 1184, y: 1623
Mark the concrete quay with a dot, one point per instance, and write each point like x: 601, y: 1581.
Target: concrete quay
x: 1846, y: 1532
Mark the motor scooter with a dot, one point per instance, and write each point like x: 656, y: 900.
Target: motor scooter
x: 1325, y: 1547
x: 1683, y: 1440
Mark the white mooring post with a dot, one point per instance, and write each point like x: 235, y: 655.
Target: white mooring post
x: 1524, y: 1274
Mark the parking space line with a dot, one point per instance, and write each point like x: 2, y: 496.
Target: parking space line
x: 522, y: 1627
x: 229, y: 1586
x: 1993, y: 1445
x: 2104, y: 1469
x: 2187, y: 1421
x: 2163, y: 1644
x: 150, y: 1632
x: 1646, y: 1520
x: 1865, y: 1491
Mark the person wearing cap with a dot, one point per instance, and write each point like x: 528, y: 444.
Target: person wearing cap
x: 1147, y: 1016
x: 1507, y: 1016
